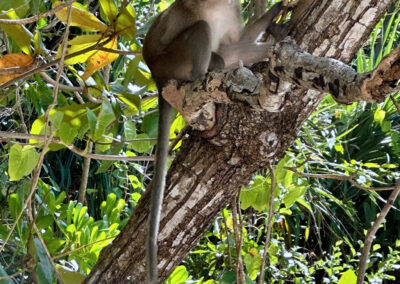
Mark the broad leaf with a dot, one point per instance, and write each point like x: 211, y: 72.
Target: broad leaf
x: 100, y: 59
x: 17, y: 32
x: 80, y: 18
x: 13, y: 60
x: 22, y: 161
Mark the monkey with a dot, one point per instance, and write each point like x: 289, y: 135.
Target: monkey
x: 185, y: 41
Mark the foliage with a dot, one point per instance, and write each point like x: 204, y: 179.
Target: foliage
x: 317, y: 224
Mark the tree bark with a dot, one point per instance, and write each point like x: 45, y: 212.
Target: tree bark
x: 207, y: 172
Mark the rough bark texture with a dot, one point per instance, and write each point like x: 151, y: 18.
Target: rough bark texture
x: 207, y: 173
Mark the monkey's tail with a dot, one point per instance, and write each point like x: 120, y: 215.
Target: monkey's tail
x: 158, y: 185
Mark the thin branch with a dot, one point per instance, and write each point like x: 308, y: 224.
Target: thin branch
x: 268, y: 227
x: 121, y: 52
x: 49, y: 80
x: 82, y: 153
x: 85, y: 176
x: 395, y: 104
x: 37, y: 17
x: 339, y: 177
x: 372, y: 231
x: 240, y: 277
x: 14, y: 274
x: 228, y: 242
x: 178, y: 138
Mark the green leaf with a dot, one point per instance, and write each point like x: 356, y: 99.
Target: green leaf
x: 339, y: 148
x: 293, y: 194
x: 371, y: 165
x: 108, y: 10
x: 141, y: 146
x: 15, y: 205
x: 21, y: 161
x: 256, y: 195
x: 253, y: 263
x: 56, y: 118
x: 379, y: 115
x: 129, y: 130
x: 75, y: 115
x: 4, y: 273
x: 105, y: 117
x: 180, y: 275
x: 18, y: 33
x: 45, y: 221
x: 43, y: 269
x: 53, y: 245
x: 20, y: 6
x: 71, y: 277
x: 67, y: 133
x: 283, y: 176
x: 77, y: 44
x: 126, y: 22
x: 150, y: 124
x: 135, y: 182
x: 133, y: 102
x: 348, y: 277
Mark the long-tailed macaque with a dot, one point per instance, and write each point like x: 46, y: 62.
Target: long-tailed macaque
x: 184, y: 42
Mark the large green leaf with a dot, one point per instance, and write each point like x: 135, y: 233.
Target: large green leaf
x: 348, y: 277
x: 108, y: 10
x: 22, y: 161
x: 105, y: 117
x: 43, y: 268
x: 126, y: 22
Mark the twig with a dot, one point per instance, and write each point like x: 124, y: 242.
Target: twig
x: 49, y: 80
x: 37, y: 17
x: 178, y: 138
x: 269, y: 224
x: 121, y: 52
x: 395, y: 104
x: 228, y: 242
x: 20, y: 112
x: 14, y: 274
x: 339, y: 177
x: 372, y: 231
x: 240, y: 277
x: 85, y: 176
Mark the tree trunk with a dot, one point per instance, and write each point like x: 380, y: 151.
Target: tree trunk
x: 207, y: 172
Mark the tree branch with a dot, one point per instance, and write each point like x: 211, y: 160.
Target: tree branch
x: 372, y: 231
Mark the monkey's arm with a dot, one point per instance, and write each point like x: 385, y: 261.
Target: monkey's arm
x: 247, y: 49
x: 251, y: 32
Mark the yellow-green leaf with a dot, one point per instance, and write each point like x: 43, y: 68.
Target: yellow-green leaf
x: 126, y: 22
x: 349, y: 277
x: 80, y: 18
x: 22, y: 161
x: 371, y: 165
x: 18, y: 33
x: 108, y: 10
x: 77, y: 44
x: 101, y: 59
